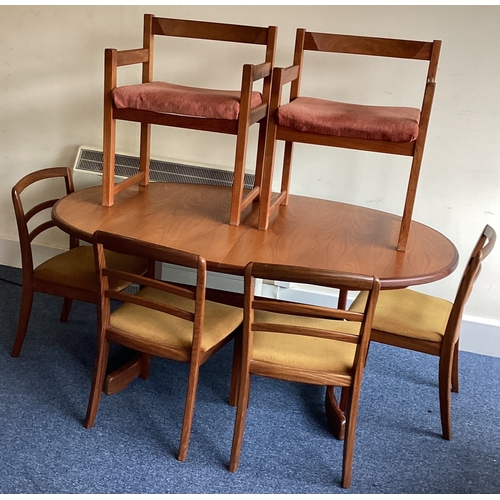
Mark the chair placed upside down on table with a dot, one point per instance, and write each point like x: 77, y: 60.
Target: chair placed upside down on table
x: 163, y: 320
x: 384, y: 129
x: 307, y: 344
x: 71, y: 274
x: 419, y: 322
x: 161, y: 103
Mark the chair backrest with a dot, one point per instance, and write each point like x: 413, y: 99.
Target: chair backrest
x: 331, y: 279
x: 203, y: 30
x: 371, y: 46
x: 28, y: 232
x: 482, y: 249
x: 151, y: 252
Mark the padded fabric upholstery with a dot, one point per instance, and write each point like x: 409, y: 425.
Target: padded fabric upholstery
x: 301, y: 351
x: 409, y: 314
x: 164, y: 97
x: 169, y: 330
x: 76, y: 268
x: 319, y: 116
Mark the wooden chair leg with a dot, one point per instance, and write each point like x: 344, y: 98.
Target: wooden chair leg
x: 66, y: 308
x: 97, y: 383
x: 145, y: 366
x: 410, y: 199
x: 235, y: 369
x: 286, y: 175
x: 239, y: 424
x: 445, y: 369
x: 188, y: 411
x: 24, y: 317
x: 267, y: 177
x: 350, y: 435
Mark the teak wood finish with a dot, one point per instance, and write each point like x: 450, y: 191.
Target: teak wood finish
x: 346, y: 44
x: 447, y: 348
x: 191, y: 351
x: 156, y: 26
x: 279, y: 322
x: 31, y: 223
x: 307, y: 232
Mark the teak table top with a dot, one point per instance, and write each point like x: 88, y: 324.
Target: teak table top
x: 308, y: 232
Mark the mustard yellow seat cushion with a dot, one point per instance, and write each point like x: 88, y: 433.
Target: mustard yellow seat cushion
x: 319, y: 116
x: 300, y: 351
x: 162, y: 97
x: 409, y: 314
x: 169, y: 331
x: 76, y: 268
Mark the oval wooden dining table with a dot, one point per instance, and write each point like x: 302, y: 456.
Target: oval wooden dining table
x: 308, y: 232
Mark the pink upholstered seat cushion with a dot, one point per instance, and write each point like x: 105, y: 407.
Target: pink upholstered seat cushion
x: 319, y: 116
x: 164, y: 97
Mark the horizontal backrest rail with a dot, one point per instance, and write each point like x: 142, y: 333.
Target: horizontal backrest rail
x: 209, y: 31
x: 384, y: 47
x: 40, y: 229
x: 151, y: 304
x: 305, y: 310
x: 149, y: 282
x: 39, y: 208
x: 306, y: 331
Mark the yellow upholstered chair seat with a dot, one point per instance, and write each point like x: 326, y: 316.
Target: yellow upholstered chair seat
x: 168, y: 330
x: 409, y: 314
x: 300, y: 351
x: 76, y: 268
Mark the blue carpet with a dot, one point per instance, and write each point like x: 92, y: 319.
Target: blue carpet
x: 287, y: 447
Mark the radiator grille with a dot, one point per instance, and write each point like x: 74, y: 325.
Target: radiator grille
x: 90, y: 160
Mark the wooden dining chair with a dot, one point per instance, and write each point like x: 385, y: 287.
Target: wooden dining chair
x: 70, y: 274
x: 162, y: 319
x: 394, y: 130
x: 155, y: 102
x: 305, y: 343
x: 413, y: 320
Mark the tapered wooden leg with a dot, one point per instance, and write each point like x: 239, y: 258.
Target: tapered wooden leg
x: 239, y: 424
x: 24, y: 317
x: 350, y: 435
x: 66, y: 308
x: 445, y: 368
x: 145, y: 365
x: 97, y: 383
x: 235, y: 369
x: 188, y: 411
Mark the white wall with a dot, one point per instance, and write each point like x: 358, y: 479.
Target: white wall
x: 51, y: 75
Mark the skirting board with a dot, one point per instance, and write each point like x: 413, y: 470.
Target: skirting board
x: 477, y: 335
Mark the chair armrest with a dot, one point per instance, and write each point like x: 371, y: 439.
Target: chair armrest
x: 133, y: 56
x: 260, y: 71
x: 286, y: 75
